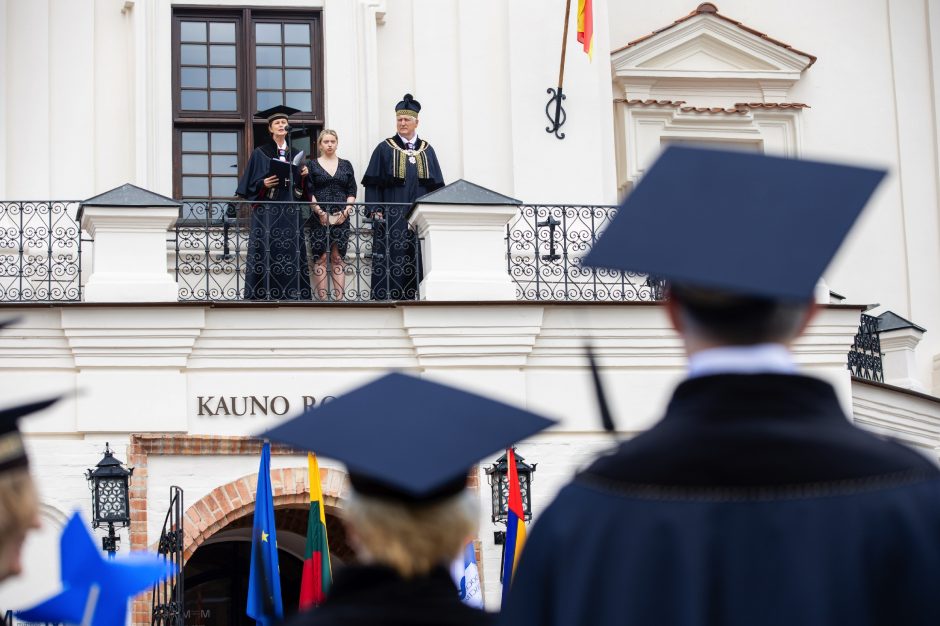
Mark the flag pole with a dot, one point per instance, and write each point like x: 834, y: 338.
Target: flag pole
x: 558, y: 117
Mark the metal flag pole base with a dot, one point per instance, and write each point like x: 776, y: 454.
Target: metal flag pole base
x: 556, y: 119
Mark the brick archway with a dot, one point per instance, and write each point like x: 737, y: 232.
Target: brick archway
x: 227, y: 503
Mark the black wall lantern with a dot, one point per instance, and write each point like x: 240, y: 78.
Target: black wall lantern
x: 498, y: 477
x: 110, y: 505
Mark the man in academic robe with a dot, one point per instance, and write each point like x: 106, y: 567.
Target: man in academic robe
x: 402, y: 169
x: 754, y: 500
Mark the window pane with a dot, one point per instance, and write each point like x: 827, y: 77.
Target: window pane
x: 192, y: 100
x: 192, y: 77
x: 222, y: 55
x: 223, y: 78
x: 224, y: 142
x: 195, y: 141
x: 296, y: 33
x: 268, y: 33
x: 192, y: 54
x: 195, y: 164
x: 299, y: 100
x: 224, y: 164
x: 222, y: 101
x: 221, y: 31
x: 195, y: 186
x: 223, y: 186
x: 268, y: 99
x: 192, y: 31
x: 297, y: 79
x: 297, y: 56
x: 269, y: 79
x: 268, y: 55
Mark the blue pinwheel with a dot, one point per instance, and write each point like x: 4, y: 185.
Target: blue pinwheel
x: 95, y: 591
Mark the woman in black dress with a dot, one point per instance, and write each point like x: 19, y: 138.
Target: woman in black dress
x: 332, y: 188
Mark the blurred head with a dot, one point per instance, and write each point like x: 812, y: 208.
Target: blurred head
x: 709, y: 317
x: 411, y: 538
x: 406, y: 125
x: 327, y: 141
x: 19, y: 512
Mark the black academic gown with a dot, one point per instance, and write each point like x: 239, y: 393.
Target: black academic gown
x: 378, y: 596
x: 753, y: 502
x: 392, y: 178
x: 276, y: 261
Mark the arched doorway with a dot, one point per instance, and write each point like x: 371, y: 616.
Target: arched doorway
x: 216, y: 574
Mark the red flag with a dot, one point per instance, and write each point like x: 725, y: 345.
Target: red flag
x: 317, y: 575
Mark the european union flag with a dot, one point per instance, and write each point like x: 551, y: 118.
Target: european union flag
x: 264, y: 580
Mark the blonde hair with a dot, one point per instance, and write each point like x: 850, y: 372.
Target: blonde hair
x: 413, y: 539
x: 19, y: 510
x: 326, y: 131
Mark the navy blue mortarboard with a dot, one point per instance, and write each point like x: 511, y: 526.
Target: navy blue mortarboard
x: 408, y: 106
x: 277, y: 112
x: 736, y: 222
x: 408, y: 439
x: 12, y: 452
x: 8, y: 322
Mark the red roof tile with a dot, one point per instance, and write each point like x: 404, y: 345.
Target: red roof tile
x: 739, y: 107
x: 708, y: 7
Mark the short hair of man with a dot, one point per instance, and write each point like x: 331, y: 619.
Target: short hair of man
x: 729, y: 319
x: 412, y: 538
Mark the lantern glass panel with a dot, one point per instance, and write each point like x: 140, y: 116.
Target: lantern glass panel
x: 111, y: 500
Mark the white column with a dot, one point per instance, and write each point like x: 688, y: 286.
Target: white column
x: 129, y: 253
x: 464, y: 251
x: 898, y: 360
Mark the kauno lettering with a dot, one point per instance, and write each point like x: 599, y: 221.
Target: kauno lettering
x: 252, y: 406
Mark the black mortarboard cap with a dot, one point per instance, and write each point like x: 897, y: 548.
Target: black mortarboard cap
x: 737, y: 222
x: 8, y: 322
x: 277, y: 112
x: 408, y: 439
x: 408, y: 106
x: 12, y: 452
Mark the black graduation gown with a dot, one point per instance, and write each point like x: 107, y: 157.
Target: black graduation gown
x: 392, y: 178
x: 753, y: 502
x: 378, y: 596
x: 276, y: 261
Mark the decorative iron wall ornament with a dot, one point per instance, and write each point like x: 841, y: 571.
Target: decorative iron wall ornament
x: 40, y: 251
x: 558, y: 117
x: 544, y: 248
x: 238, y: 250
x: 167, y: 603
x: 864, y: 359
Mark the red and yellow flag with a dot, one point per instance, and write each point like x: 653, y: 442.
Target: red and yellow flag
x: 586, y: 26
x: 317, y: 575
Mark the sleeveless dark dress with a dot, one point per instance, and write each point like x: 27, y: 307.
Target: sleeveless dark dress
x: 331, y: 193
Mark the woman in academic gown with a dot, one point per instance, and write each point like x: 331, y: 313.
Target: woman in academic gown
x: 276, y: 262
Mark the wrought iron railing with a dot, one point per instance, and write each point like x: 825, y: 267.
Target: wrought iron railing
x: 167, y: 597
x: 281, y: 251
x: 40, y: 251
x: 544, y: 248
x: 864, y: 359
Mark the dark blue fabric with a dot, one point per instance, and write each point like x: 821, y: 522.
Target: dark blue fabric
x: 264, y: 578
x: 753, y: 502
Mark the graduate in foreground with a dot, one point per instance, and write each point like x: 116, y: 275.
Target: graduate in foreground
x: 408, y: 445
x: 754, y: 501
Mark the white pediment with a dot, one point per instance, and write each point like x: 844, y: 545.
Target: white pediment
x: 707, y: 46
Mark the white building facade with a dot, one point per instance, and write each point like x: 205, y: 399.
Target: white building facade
x: 95, y: 94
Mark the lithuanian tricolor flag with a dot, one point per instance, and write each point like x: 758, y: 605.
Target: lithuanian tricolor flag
x: 515, y: 525
x: 317, y: 575
x: 586, y: 27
